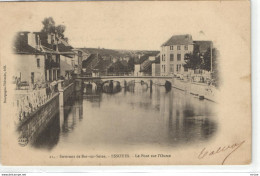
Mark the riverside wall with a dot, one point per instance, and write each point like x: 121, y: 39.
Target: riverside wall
x: 30, y: 127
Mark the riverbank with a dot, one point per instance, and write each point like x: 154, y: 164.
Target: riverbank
x: 202, y: 90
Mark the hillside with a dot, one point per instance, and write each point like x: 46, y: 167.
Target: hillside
x: 119, y: 53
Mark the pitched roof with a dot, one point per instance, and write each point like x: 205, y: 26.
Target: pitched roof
x: 157, y: 60
x: 203, y: 45
x: 90, y: 62
x: 21, y: 44
x: 146, y: 56
x: 117, y: 66
x: 146, y: 66
x: 102, y: 65
x: 64, y: 48
x: 179, y: 40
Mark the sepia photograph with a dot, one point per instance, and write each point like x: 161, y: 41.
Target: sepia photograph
x: 125, y: 83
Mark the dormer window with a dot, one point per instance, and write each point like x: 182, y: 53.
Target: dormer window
x: 178, y: 47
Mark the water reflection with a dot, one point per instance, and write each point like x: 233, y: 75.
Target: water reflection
x: 135, y: 116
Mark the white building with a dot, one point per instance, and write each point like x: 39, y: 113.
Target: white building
x: 173, y: 52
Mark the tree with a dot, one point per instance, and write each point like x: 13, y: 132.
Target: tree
x: 48, y: 25
x: 131, y: 64
x: 207, y: 59
x: 193, y: 60
x: 207, y: 64
x: 60, y: 29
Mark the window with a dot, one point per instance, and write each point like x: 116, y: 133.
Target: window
x: 186, y: 47
x: 178, y: 47
x: 57, y: 58
x: 54, y: 75
x: 38, y: 62
x: 178, y: 57
x: 162, y: 57
x: 163, y: 68
x: 171, y: 68
x: 185, y: 69
x: 171, y: 57
x: 171, y: 47
x: 46, y: 75
x: 50, y: 75
x: 178, y: 67
x: 58, y: 73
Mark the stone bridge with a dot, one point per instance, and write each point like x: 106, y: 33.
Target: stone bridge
x: 197, y: 89
x: 123, y: 80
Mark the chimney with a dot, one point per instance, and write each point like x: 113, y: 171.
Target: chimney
x: 32, y: 40
x: 49, y: 38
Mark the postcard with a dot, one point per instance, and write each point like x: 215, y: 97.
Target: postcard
x: 108, y: 83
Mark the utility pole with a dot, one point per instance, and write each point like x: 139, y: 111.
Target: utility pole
x: 211, y: 57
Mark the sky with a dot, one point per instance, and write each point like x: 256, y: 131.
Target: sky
x: 123, y: 25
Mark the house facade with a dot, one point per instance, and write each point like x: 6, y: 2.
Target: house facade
x: 156, y: 71
x: 172, y: 54
x: 37, y: 59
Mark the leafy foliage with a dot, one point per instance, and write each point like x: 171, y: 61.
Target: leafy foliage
x: 193, y: 60
x: 131, y: 64
x: 60, y: 29
x: 49, y: 27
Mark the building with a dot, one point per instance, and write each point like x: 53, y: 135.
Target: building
x: 90, y: 63
x: 37, y: 59
x: 67, y: 59
x: 156, y: 71
x: 101, y: 68
x: 49, y: 44
x: 144, y: 66
x: 173, y: 52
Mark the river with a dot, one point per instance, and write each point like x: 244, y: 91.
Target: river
x: 139, y: 117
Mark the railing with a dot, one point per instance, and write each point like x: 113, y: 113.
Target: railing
x: 28, y: 101
x: 64, y: 83
x: 51, y: 64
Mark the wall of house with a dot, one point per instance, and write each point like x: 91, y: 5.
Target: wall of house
x: 66, y: 64
x: 171, y: 66
x: 27, y: 64
x: 156, y: 69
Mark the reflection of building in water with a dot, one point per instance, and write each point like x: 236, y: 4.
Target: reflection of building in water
x: 95, y: 99
x: 79, y: 107
x: 89, y: 87
x: 187, y: 123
